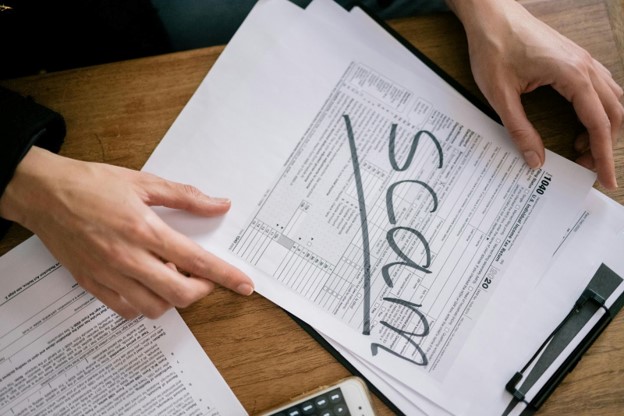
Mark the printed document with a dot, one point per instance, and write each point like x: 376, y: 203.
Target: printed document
x: 595, y: 238
x: 64, y: 352
x: 375, y: 205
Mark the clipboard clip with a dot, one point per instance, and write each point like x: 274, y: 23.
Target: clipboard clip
x: 588, y: 295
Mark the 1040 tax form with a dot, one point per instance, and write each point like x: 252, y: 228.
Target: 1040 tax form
x: 371, y: 201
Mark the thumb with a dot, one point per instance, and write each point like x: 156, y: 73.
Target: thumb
x: 509, y: 107
x: 161, y: 192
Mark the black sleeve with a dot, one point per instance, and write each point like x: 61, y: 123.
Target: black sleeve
x: 24, y: 123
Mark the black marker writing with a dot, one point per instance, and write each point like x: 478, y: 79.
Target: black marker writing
x: 390, y: 192
x: 390, y: 238
x: 364, y: 222
x: 407, y: 261
x: 405, y: 334
x: 412, y: 150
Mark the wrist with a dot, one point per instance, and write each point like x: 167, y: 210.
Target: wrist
x: 466, y: 8
x: 18, y: 198
x: 481, y: 14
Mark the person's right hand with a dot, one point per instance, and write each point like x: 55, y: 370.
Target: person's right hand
x: 97, y: 221
x: 512, y: 53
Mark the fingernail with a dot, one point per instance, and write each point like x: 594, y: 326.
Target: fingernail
x: 220, y: 200
x: 245, y: 289
x: 532, y: 159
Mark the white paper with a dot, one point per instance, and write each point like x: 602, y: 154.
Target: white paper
x: 64, y: 352
x: 597, y: 238
x: 253, y: 135
x: 602, y: 221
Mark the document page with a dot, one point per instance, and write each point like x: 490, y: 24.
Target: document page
x: 596, y: 237
x: 391, y: 215
x: 64, y: 352
x: 374, y: 205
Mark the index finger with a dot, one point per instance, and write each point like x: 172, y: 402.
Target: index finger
x: 190, y: 256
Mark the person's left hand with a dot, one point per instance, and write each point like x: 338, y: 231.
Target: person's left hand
x: 97, y: 221
x: 512, y: 52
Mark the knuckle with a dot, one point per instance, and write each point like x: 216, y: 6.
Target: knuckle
x: 115, y: 254
x: 191, y: 191
x: 138, y: 228
x: 583, y: 60
x: 598, y: 124
x: 156, y: 309
x: 188, y: 195
x: 180, y: 296
x: 144, y: 227
x: 522, y: 137
x: 149, y: 178
x: 84, y: 282
x: 586, y: 58
x: 183, y: 296
x: 619, y: 117
x: 576, y: 74
x: 198, y: 265
x: 126, y: 313
x: 600, y: 65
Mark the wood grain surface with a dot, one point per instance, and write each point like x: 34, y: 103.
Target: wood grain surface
x: 117, y: 113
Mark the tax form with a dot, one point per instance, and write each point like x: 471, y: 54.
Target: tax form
x: 382, y: 209
x: 64, y: 352
x: 383, y: 244
x: 595, y: 238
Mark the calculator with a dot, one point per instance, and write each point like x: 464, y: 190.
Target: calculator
x: 348, y: 397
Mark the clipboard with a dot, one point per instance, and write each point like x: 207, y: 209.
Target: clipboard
x: 590, y: 302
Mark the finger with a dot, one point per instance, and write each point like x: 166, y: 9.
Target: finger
x: 591, y: 113
x: 188, y: 255
x: 581, y: 144
x: 207, y: 285
x: 586, y: 160
x: 161, y: 192
x: 608, y: 77
x: 136, y: 294
x: 509, y: 107
x: 165, y: 281
x: 110, y: 299
x: 612, y: 106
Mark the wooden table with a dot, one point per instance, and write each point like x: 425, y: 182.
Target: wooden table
x: 117, y: 113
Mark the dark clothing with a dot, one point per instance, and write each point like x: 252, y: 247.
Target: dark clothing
x: 42, y: 36
x: 23, y: 124
x: 46, y: 35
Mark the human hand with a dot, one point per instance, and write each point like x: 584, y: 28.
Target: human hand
x: 96, y: 220
x: 512, y: 52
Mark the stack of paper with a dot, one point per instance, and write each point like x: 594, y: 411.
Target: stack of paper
x: 377, y: 204
x: 371, y: 200
x: 63, y: 352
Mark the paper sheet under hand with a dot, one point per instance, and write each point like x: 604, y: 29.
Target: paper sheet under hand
x: 294, y: 123
x: 63, y: 352
x: 596, y: 238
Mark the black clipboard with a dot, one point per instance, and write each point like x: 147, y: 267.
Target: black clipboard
x: 585, y: 302
x: 591, y: 303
